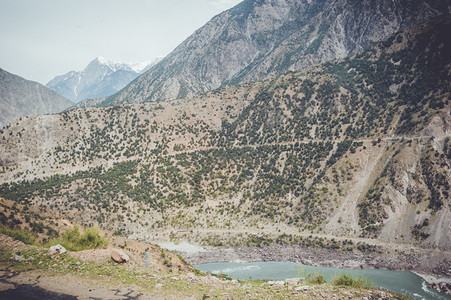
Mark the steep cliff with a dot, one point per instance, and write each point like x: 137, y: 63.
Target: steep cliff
x: 257, y: 40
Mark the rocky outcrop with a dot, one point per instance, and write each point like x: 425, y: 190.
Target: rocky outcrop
x: 257, y: 40
x: 443, y: 287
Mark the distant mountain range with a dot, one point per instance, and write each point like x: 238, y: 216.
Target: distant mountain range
x: 20, y: 98
x: 260, y: 39
x: 99, y: 79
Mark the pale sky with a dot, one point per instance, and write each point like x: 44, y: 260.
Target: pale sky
x: 40, y: 39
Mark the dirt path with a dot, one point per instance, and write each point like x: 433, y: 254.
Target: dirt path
x: 39, y: 285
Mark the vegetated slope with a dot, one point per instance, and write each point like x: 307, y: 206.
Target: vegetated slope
x: 355, y: 148
x: 257, y: 40
x: 99, y: 79
x: 20, y: 98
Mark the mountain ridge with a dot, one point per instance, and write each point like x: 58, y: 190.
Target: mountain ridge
x: 22, y: 98
x: 258, y: 40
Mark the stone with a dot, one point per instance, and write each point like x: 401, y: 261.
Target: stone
x: 17, y: 257
x: 57, y: 250
x: 119, y: 256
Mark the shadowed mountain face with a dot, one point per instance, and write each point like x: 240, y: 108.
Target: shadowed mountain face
x: 20, y: 98
x: 99, y: 79
x: 260, y: 39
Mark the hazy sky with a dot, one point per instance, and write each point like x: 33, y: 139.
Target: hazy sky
x: 40, y: 39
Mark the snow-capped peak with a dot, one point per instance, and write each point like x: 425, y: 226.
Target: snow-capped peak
x: 113, y: 65
x: 140, y: 67
x: 102, y: 60
x: 98, y: 78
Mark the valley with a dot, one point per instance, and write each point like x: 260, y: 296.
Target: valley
x: 269, y: 154
x: 318, y: 153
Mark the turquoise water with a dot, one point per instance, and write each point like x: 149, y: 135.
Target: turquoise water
x: 404, y: 282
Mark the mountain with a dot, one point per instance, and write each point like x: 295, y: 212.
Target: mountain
x: 99, y: 79
x: 20, y: 98
x: 350, y: 155
x: 260, y: 39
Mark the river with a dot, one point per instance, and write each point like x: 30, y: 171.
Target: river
x: 403, y: 282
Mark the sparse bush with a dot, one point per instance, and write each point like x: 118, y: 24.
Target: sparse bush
x: 19, y: 234
x: 315, y: 278
x: 222, y: 276
x: 348, y: 280
x: 73, y: 240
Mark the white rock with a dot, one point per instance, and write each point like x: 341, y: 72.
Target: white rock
x: 18, y: 257
x: 57, y: 250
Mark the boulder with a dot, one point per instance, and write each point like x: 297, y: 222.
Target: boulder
x: 119, y: 256
x: 17, y: 257
x: 57, y: 250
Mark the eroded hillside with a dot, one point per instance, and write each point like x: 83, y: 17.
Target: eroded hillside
x: 355, y: 148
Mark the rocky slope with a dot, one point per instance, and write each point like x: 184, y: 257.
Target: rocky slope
x: 28, y: 272
x: 258, y: 40
x: 20, y: 98
x: 357, y: 148
x: 99, y: 79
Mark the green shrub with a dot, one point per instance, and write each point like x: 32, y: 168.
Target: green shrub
x: 73, y: 240
x: 315, y: 278
x: 222, y: 276
x: 348, y: 280
x: 19, y: 234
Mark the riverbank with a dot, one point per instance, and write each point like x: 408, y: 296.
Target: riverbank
x: 442, y: 285
x: 29, y: 272
x: 432, y: 265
